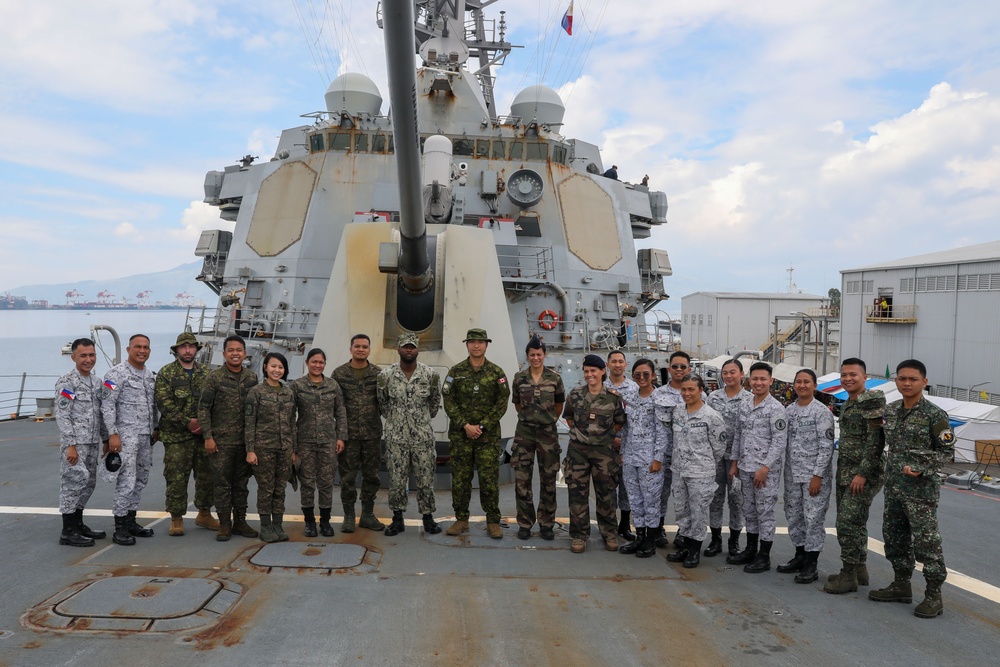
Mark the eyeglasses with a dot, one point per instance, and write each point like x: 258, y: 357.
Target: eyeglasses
x: 680, y: 368
x: 643, y: 375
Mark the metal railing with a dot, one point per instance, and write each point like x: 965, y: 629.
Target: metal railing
x: 253, y: 323
x: 18, y: 394
x: 891, y: 313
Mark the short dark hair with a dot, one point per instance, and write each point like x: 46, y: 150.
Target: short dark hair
x: 614, y: 352
x: 736, y: 362
x: 761, y: 366
x: 694, y: 377
x: 81, y: 342
x: 681, y: 353
x: 808, y: 371
x: 644, y: 362
x: 139, y: 335
x: 280, y: 357
x: 914, y: 364
x: 234, y: 339
x: 854, y: 361
x: 313, y: 352
x: 357, y: 336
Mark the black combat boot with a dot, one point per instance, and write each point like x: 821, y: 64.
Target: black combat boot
x: 796, y: 564
x: 694, y: 553
x: 734, y: 541
x: 397, y: 525
x: 85, y: 530
x: 633, y: 546
x: 648, y: 546
x: 135, y: 529
x: 430, y: 525
x: 225, y: 527
x: 715, y: 544
x: 762, y: 563
x: 121, y: 535
x: 748, y: 554
x: 70, y: 535
x: 310, y: 517
x: 625, y: 526
x: 681, y: 554
x: 932, y: 604
x: 325, y: 529
x: 660, y: 536
x: 808, y: 573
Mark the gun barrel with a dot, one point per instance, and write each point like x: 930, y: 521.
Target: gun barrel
x: 400, y: 46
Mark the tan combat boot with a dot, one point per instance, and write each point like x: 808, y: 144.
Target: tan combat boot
x: 496, y: 532
x: 240, y: 525
x: 459, y: 527
x: 176, y: 525
x: 206, y: 520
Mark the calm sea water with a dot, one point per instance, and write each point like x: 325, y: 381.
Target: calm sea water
x: 31, y: 342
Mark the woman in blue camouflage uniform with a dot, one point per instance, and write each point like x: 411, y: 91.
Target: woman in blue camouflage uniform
x: 270, y: 438
x: 645, y: 448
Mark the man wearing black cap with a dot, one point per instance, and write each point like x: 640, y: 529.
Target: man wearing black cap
x: 594, y: 415
x: 178, y: 390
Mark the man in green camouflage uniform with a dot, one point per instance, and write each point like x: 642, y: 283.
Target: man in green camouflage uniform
x: 920, y: 441
x: 860, y: 473
x: 594, y: 416
x: 358, y: 379
x: 220, y: 414
x: 178, y: 389
x: 538, y: 396
x: 475, y: 397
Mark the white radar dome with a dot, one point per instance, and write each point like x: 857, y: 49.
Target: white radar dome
x: 539, y: 103
x: 354, y: 93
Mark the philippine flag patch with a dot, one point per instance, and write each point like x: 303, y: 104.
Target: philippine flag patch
x: 68, y: 393
x: 110, y: 384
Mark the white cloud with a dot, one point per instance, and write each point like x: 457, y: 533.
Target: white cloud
x: 196, y: 218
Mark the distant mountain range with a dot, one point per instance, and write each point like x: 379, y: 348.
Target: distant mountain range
x: 164, y: 287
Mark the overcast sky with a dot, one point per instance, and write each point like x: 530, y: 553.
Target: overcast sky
x: 818, y: 134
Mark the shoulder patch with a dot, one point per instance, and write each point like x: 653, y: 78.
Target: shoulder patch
x: 502, y: 380
x: 68, y: 394
x: 64, y: 402
x: 249, y: 409
x: 829, y: 433
x: 947, y: 436
x: 779, y: 424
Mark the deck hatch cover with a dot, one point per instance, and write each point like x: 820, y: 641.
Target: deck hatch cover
x: 306, y: 555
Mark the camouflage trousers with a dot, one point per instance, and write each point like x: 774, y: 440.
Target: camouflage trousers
x: 137, y: 459
x: 273, y: 469
x: 420, y: 458
x: 643, y: 489
x: 910, y: 527
x: 77, y: 482
x: 366, y: 456
x: 467, y: 456
x: 807, y: 514
x: 623, y: 503
x: 692, y: 497
x: 531, y: 441
x: 317, y: 468
x: 584, y: 462
x: 730, y: 488
x: 852, y: 522
x: 232, y: 477
x: 759, y: 504
x: 180, y: 459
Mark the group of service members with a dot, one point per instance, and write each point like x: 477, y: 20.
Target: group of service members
x: 638, y: 442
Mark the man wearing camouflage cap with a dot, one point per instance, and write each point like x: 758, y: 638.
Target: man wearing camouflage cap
x: 475, y: 397
x: 178, y: 390
x: 409, y: 395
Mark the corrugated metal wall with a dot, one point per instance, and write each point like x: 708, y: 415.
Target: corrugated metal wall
x: 727, y: 325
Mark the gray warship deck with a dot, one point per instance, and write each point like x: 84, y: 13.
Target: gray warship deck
x: 368, y: 599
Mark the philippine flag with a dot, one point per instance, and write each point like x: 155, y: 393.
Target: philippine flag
x: 68, y: 393
x: 110, y: 384
x: 567, y: 20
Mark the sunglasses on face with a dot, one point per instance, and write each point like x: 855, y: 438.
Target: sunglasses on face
x: 679, y: 368
x: 642, y: 375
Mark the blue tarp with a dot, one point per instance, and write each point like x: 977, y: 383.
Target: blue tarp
x: 833, y: 387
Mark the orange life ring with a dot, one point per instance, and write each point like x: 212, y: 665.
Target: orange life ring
x: 548, y: 320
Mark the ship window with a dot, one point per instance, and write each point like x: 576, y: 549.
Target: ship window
x: 559, y: 154
x: 340, y: 141
x: 378, y: 143
x: 517, y: 151
x: 537, y: 151
x: 316, y: 143
x: 483, y: 148
x: 361, y: 143
x: 463, y: 147
x: 498, y: 150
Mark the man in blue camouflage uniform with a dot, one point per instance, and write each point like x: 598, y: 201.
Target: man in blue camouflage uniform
x: 726, y: 400
x: 129, y: 410
x: 759, y: 443
x: 81, y: 431
x: 409, y: 396
x: 920, y: 441
x: 860, y: 473
x: 475, y: 397
x: 624, y: 385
